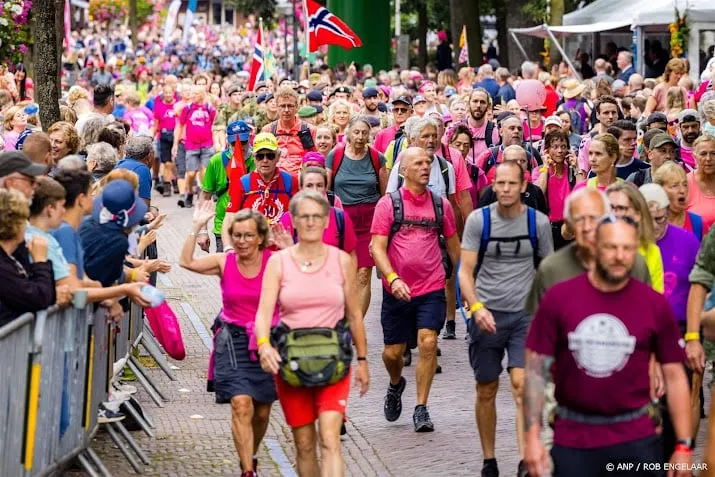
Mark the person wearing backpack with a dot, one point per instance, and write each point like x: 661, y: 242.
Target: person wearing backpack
x: 356, y: 174
x: 267, y: 190
x: 502, y: 246
x: 415, y: 245
x: 216, y: 183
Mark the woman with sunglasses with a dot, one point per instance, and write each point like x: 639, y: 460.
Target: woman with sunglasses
x: 237, y: 375
x: 627, y: 202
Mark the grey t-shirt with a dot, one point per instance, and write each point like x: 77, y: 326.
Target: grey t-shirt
x: 565, y: 265
x: 507, y: 270
x: 355, y: 182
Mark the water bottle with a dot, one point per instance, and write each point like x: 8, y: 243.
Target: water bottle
x: 153, y: 295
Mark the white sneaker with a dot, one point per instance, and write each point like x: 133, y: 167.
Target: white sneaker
x: 107, y: 415
x: 125, y: 388
x: 118, y: 366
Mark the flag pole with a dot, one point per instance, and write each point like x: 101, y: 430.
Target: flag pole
x: 466, y: 42
x: 307, y: 33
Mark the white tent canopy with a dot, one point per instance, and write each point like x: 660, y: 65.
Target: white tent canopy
x: 640, y: 12
x: 542, y: 31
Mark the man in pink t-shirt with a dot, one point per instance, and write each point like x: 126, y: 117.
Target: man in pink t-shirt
x: 484, y: 132
x: 414, y: 278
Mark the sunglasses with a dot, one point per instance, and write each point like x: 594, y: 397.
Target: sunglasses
x: 265, y: 155
x: 400, y: 110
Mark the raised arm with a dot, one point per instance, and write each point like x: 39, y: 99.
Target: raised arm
x: 211, y: 264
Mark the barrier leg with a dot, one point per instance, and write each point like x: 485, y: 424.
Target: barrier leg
x: 98, y: 463
x: 130, y: 440
x: 86, y: 466
x: 144, y: 424
x: 153, y: 392
x: 125, y: 452
x: 150, y: 344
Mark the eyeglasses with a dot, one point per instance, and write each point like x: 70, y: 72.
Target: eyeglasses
x: 265, y: 155
x: 287, y: 106
x: 400, y: 110
x: 248, y: 237
x: 612, y: 219
x: 660, y: 220
x: 311, y: 218
x: 620, y: 209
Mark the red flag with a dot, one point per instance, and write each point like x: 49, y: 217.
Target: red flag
x: 257, y: 71
x: 324, y: 28
x: 237, y: 166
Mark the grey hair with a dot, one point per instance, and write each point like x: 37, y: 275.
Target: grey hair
x: 709, y: 108
x: 486, y: 70
x: 336, y: 103
x: 72, y: 162
x: 91, y: 130
x: 353, y: 121
x: 139, y: 147
x: 308, y: 195
x: 418, y: 126
x: 574, y: 196
x: 103, y: 155
x: 528, y: 70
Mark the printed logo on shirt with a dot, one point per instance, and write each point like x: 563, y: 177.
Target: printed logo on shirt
x: 601, y: 345
x: 199, y: 118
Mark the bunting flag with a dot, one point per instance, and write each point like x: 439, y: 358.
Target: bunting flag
x: 464, y: 52
x: 269, y: 65
x: 257, y: 66
x: 324, y: 28
x: 237, y: 166
x: 170, y: 21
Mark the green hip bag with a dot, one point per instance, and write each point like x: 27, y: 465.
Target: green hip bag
x: 313, y: 357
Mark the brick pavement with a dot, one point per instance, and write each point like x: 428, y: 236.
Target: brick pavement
x: 198, y: 448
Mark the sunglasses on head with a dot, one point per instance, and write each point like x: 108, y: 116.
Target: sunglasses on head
x: 612, y: 219
x: 265, y: 155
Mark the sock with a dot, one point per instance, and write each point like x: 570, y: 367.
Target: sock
x: 419, y: 406
x: 395, y: 386
x: 490, y: 461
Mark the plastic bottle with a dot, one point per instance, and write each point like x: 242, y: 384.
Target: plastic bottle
x: 153, y: 295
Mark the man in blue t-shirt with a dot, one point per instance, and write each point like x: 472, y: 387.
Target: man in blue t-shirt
x: 139, y: 157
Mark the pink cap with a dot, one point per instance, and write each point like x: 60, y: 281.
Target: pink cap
x: 313, y: 156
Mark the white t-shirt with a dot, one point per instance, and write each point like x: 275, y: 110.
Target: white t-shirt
x: 436, y: 181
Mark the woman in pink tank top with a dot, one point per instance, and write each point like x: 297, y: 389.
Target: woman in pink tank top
x: 316, y: 285
x: 237, y: 375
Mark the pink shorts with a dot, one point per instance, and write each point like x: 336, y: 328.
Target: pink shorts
x: 302, y: 406
x: 361, y: 216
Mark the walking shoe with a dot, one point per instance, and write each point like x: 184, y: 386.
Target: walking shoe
x: 181, y: 202
x: 125, y: 388
x: 189, y: 202
x: 249, y: 473
x: 106, y: 416
x: 521, y: 470
x: 167, y: 189
x: 449, y: 331
x: 159, y: 187
x: 438, y: 369
x: 490, y: 468
x: 175, y: 187
x: 393, y: 400
x: 407, y: 357
x: 421, y: 418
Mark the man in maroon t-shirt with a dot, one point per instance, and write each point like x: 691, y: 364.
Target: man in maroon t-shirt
x: 600, y: 348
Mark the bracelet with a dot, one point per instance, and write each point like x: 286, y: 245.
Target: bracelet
x: 692, y: 336
x: 204, y: 231
x: 543, y: 170
x: 476, y: 307
x: 133, y: 275
x: 263, y: 340
x: 362, y: 358
x: 391, y: 278
x: 683, y: 449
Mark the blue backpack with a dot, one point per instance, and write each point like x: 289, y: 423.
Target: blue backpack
x: 697, y: 223
x: 487, y: 237
x: 286, y: 178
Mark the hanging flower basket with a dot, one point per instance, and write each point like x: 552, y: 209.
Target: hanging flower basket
x: 14, y: 29
x: 679, y: 35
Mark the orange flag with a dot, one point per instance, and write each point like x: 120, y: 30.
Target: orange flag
x: 237, y: 166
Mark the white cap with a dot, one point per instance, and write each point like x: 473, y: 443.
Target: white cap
x: 655, y: 193
x: 554, y: 120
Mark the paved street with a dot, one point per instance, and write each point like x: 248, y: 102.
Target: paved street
x: 373, y: 447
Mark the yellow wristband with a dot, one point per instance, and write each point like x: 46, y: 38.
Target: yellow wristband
x: 264, y: 340
x: 133, y: 275
x: 543, y: 169
x: 476, y: 307
x: 692, y: 336
x: 391, y: 278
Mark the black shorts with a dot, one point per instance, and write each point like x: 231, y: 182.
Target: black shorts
x: 618, y: 460
x: 486, y: 350
x: 166, y: 141
x: 402, y: 319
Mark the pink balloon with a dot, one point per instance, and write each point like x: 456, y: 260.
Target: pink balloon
x: 530, y: 94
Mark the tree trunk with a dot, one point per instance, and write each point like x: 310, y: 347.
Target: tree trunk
x: 48, y: 45
x: 502, y: 32
x: 516, y: 18
x: 557, y: 18
x: 422, y: 34
x: 133, y: 21
x: 466, y: 12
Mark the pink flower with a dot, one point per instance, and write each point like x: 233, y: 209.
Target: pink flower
x: 23, y: 48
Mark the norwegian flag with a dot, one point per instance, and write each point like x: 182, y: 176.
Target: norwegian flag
x: 324, y: 28
x: 257, y: 70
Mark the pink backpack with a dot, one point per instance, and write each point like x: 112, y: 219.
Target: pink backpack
x: 166, y: 329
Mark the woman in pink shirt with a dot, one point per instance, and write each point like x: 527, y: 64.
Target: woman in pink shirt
x: 237, y: 375
x: 317, y: 287
x: 701, y: 181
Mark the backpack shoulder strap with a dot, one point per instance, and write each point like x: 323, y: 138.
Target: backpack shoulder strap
x: 375, y: 159
x: 533, y: 234
x: 274, y: 128
x: 287, y: 182
x: 697, y: 223
x: 340, y: 224
x: 331, y: 197
x: 438, y: 210
x: 338, y: 154
x: 488, y: 134
x: 246, y: 184
x: 484, y: 241
x: 444, y: 169
x: 398, y: 214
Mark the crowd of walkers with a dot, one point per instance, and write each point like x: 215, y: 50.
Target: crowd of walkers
x: 569, y: 222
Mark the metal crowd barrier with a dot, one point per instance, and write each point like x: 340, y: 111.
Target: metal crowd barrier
x: 56, y: 370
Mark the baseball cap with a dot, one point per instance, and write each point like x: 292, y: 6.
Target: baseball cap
x: 264, y: 98
x: 657, y: 118
x: 450, y: 91
x: 314, y: 95
x: 341, y: 89
x: 661, y: 140
x: 503, y: 115
x: 265, y: 141
x: 553, y: 120
x: 419, y: 99
x: 119, y: 204
x: 373, y: 121
x: 232, y: 88
x: 655, y: 193
x: 688, y: 116
x: 18, y: 161
x: 403, y: 100
x: 369, y: 93
x: 313, y: 156
x: 238, y: 129
x: 307, y: 112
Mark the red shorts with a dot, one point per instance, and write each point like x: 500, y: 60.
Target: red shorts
x: 302, y: 406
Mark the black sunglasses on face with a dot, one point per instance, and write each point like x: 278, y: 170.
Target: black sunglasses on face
x: 265, y: 155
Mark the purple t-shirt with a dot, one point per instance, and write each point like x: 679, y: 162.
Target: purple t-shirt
x: 679, y: 249
x: 601, y: 345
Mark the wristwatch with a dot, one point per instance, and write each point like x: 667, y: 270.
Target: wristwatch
x: 685, y: 442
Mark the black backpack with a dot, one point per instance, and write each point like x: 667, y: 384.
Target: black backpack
x: 398, y: 215
x: 443, y: 167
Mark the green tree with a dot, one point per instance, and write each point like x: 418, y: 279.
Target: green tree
x: 48, y: 35
x: 265, y: 9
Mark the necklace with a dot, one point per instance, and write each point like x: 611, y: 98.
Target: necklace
x: 305, y: 266
x: 308, y: 263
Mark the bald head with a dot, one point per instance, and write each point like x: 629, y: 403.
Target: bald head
x: 516, y: 154
x: 409, y: 155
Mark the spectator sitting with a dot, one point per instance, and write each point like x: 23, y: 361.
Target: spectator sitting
x: 25, y: 286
